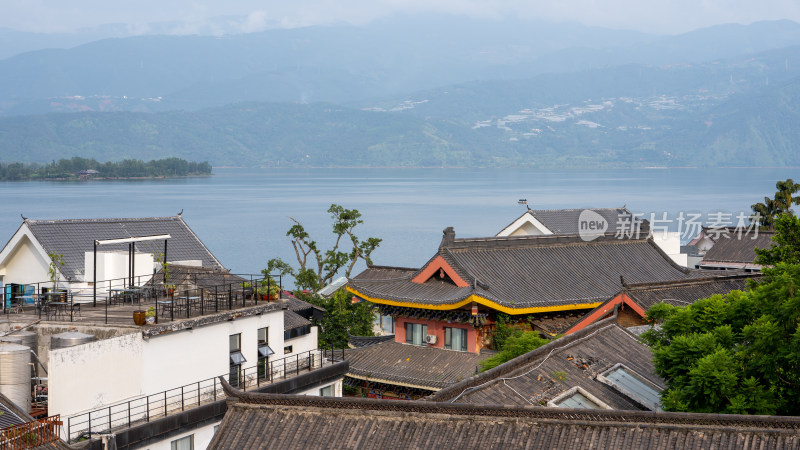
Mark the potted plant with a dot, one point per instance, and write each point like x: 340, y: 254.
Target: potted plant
x: 150, y: 316
x: 139, y: 317
x: 56, y: 262
x: 269, y: 289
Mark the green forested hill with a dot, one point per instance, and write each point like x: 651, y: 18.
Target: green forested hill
x: 758, y: 128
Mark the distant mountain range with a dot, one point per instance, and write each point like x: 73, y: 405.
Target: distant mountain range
x: 447, y: 93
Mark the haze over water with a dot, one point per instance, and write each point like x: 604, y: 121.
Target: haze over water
x: 242, y: 214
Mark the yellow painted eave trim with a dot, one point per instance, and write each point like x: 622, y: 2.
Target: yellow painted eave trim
x: 477, y: 299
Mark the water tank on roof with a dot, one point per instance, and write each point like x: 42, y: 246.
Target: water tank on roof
x: 26, y: 338
x: 15, y: 374
x: 69, y: 339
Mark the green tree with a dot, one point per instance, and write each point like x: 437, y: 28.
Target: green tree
x: 342, y: 318
x: 515, y: 345
x: 737, y: 353
x: 318, y: 266
x: 766, y: 213
x: 786, y: 243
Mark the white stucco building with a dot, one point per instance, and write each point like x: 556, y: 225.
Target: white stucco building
x: 154, y: 385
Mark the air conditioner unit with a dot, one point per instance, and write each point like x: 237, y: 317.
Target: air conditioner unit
x: 430, y: 339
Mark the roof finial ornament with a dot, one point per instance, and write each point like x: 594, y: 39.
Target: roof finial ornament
x: 23, y: 217
x: 449, y: 236
x: 180, y: 213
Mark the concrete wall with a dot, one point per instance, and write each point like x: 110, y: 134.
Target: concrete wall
x: 114, y: 370
x: 92, y: 375
x: 175, y: 359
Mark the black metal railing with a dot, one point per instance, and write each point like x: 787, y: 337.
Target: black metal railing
x: 172, y: 401
x: 51, y: 302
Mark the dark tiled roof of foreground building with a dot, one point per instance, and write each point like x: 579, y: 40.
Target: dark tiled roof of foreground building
x: 262, y: 421
x: 571, y: 363
x: 526, y: 274
x: 731, y: 250
x: 412, y: 365
x: 686, y: 292
x: 75, y: 237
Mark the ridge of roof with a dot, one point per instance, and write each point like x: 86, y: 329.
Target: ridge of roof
x: 540, y: 240
x: 237, y: 397
x: 691, y: 281
x: 531, y: 211
x: 102, y: 220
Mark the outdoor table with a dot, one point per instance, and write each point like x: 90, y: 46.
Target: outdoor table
x: 126, y: 293
x: 59, y: 308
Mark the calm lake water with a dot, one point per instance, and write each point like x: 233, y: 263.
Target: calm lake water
x: 242, y: 214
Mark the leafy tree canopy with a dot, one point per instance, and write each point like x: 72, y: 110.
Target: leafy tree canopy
x: 515, y: 345
x: 736, y: 353
x: 766, y: 213
x: 786, y: 243
x: 319, y: 266
x: 342, y: 318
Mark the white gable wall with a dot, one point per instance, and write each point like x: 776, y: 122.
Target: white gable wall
x: 525, y: 225
x: 24, y: 263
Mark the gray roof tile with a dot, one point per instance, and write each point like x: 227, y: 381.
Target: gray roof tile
x: 425, y: 367
x: 521, y: 272
x: 259, y: 421
x: 529, y: 380
x: 75, y: 237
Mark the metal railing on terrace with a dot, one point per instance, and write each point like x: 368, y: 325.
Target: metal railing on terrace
x: 69, y: 301
x: 31, y: 434
x: 172, y: 401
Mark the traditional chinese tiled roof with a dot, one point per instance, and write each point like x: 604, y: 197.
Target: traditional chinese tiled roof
x: 259, y: 421
x: 293, y: 320
x: 523, y: 274
x: 733, y: 251
x: 73, y: 238
x: 533, y: 379
x: 411, y: 365
x: 304, y: 308
x: 565, y: 221
x: 686, y: 292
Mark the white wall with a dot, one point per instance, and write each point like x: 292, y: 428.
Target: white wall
x: 299, y: 344
x: 92, y: 375
x: 202, y: 437
x: 337, y: 389
x: 670, y: 243
x: 25, y: 264
x: 113, y: 265
x: 109, y: 371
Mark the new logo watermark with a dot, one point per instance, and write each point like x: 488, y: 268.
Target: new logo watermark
x: 591, y: 225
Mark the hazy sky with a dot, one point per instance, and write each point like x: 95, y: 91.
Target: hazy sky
x: 660, y: 16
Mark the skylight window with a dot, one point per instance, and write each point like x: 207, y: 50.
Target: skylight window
x: 632, y: 385
x: 577, y: 397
